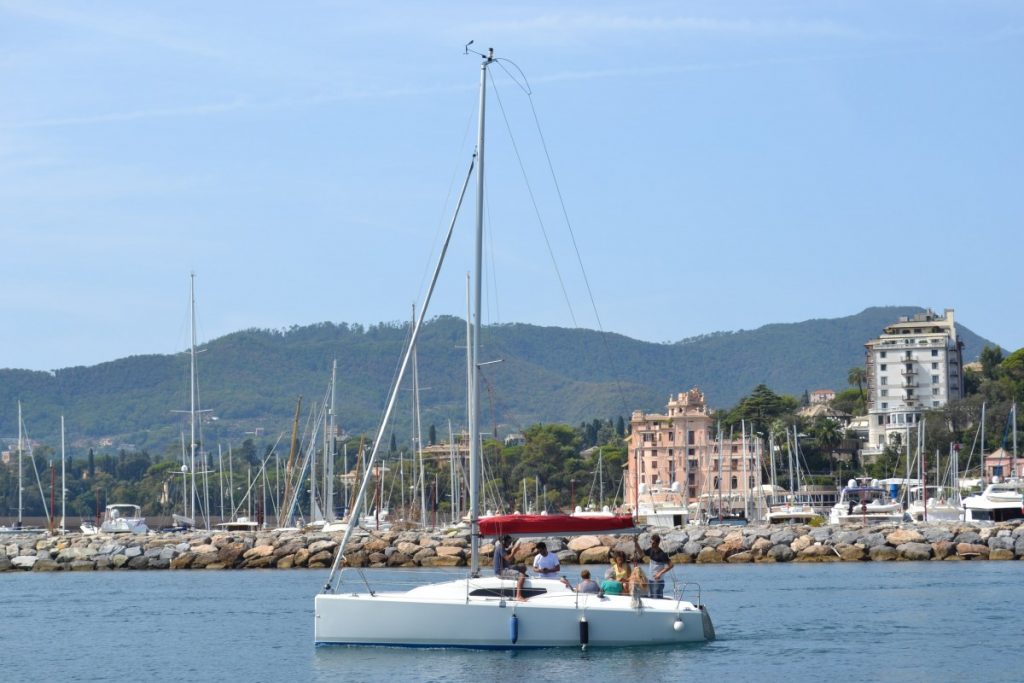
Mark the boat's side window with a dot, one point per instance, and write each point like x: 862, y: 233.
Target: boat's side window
x: 507, y: 593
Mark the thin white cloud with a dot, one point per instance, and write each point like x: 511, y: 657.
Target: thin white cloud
x: 129, y: 27
x: 575, y: 24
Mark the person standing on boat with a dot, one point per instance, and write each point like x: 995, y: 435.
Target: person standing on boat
x: 546, y: 562
x: 661, y: 563
x: 503, y: 552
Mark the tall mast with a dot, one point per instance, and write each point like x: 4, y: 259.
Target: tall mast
x: 474, y: 426
x: 332, y: 446
x: 418, y: 431
x: 20, y: 439
x: 982, y: 440
x: 192, y: 392
x: 63, y: 488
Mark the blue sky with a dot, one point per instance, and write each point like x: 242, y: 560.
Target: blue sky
x: 723, y: 165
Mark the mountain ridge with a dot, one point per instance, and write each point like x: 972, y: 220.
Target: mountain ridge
x: 251, y: 378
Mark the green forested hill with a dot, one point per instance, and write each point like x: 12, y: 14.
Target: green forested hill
x: 250, y: 379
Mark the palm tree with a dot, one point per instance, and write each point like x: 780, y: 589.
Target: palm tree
x: 857, y: 376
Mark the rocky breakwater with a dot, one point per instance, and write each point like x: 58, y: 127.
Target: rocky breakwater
x: 293, y: 549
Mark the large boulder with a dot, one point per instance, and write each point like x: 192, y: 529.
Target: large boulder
x: 24, y: 561
x: 447, y: 550
x: 800, y: 543
x: 46, y: 566
x: 817, y: 553
x: 974, y: 551
x: 442, y: 561
x: 783, y: 537
x: 902, y: 536
x: 942, y: 549
x: 1000, y: 554
x: 709, y: 555
x: 138, y: 562
x: 581, y: 543
x: 882, y: 553
x: 934, y: 534
x: 850, y: 553
x: 872, y: 539
x: 914, y: 550
x: 740, y: 557
x: 230, y: 554
x: 781, y: 553
x: 597, y: 554
x: 407, y: 548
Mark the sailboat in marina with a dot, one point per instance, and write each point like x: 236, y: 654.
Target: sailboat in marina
x: 19, y: 527
x: 475, y: 611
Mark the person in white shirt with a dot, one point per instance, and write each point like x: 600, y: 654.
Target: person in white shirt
x: 545, y: 562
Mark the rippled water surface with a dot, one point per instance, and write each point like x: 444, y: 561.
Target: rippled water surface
x: 925, y: 621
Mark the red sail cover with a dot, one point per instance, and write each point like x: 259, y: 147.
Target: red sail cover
x: 555, y: 525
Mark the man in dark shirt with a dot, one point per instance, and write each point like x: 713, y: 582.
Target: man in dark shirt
x: 661, y: 563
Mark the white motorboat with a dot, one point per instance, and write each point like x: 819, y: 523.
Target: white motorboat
x: 999, y: 502
x: 482, y: 612
x: 933, y: 504
x: 792, y: 512
x: 123, y: 518
x: 865, y: 504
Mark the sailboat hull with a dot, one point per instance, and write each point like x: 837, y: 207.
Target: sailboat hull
x: 472, y: 614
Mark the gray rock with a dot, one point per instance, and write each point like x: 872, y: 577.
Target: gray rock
x: 138, y: 562
x: 885, y: 553
x: 167, y: 554
x: 821, y: 534
x: 969, y: 537
x: 24, y: 561
x: 781, y: 553
x: 783, y: 537
x: 915, y: 551
x: 695, y: 534
x: 153, y: 552
x: 5, y: 564
x: 1018, y: 546
x: 1004, y: 542
x: 566, y: 557
x: 158, y: 562
x: 118, y: 561
x: 846, y: 537
x: 713, y: 541
x: 82, y: 565
x: 692, y: 548
x: 934, y: 534
x: 872, y: 540
x: 132, y: 552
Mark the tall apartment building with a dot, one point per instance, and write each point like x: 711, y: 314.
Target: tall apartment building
x: 679, y: 448
x: 915, y: 365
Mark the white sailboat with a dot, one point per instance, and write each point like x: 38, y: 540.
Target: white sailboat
x: 476, y: 611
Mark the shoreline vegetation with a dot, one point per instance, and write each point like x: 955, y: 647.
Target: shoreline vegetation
x: 287, y: 549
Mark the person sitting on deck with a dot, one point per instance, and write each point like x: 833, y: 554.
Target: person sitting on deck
x: 520, y: 571
x: 546, y: 562
x: 586, y: 584
x: 610, y: 586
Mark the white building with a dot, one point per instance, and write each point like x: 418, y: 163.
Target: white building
x: 915, y: 365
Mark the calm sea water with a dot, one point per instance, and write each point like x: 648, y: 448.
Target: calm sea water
x: 925, y: 621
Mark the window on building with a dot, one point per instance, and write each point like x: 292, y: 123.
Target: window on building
x: 671, y: 436
x: 716, y: 483
x: 691, y: 451
x: 910, y: 367
x: 691, y: 478
x: 935, y: 366
x: 885, y: 392
x: 734, y: 483
x: 882, y: 354
x: 884, y: 406
x: 910, y: 393
x: 935, y: 379
x: 935, y: 391
x: 750, y: 484
x: 690, y: 437
x: 935, y: 404
x: 882, y: 367
x: 883, y: 380
x: 935, y: 353
x: 734, y: 465
x: 654, y: 464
